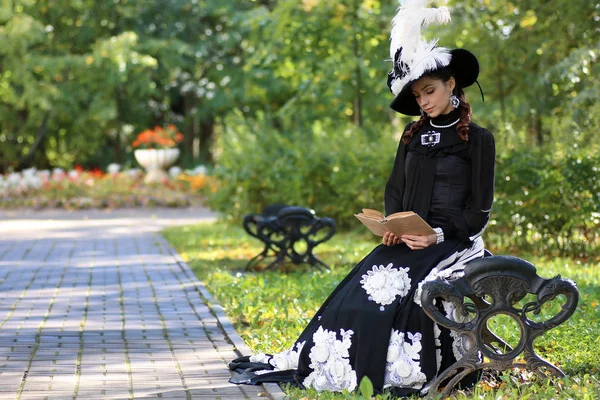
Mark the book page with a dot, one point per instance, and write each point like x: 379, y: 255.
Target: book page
x: 409, y: 225
x: 400, y: 223
x: 374, y: 213
x: 400, y: 214
x: 374, y: 225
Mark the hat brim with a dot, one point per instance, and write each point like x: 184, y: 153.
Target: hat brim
x: 465, y: 69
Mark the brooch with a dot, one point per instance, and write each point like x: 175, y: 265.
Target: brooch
x: 430, y: 138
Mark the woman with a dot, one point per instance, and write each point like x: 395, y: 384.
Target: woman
x: 373, y: 324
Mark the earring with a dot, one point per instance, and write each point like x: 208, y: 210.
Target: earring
x: 454, y: 101
x: 422, y: 112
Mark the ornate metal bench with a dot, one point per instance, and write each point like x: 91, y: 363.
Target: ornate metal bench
x: 289, y: 233
x: 494, y: 286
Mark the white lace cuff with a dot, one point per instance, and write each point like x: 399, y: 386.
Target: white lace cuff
x: 440, y: 235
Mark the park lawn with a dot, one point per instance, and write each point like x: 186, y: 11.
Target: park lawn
x: 270, y: 309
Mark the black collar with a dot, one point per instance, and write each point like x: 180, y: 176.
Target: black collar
x: 446, y: 119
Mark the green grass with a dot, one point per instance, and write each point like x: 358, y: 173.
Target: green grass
x: 270, y: 309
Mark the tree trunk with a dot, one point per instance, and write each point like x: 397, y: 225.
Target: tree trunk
x: 207, y: 132
x: 118, y: 122
x: 358, y: 119
x: 536, y: 135
x: 538, y: 130
x: 42, y: 132
x: 190, y: 131
x: 501, y: 95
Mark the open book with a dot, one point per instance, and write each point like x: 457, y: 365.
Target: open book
x: 400, y: 223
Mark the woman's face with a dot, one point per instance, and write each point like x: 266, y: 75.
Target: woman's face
x: 433, y: 95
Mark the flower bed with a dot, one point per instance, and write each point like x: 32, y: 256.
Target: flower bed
x: 80, y: 189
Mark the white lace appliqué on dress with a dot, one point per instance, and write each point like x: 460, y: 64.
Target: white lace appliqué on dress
x: 329, y: 361
x: 432, y: 276
x: 384, y: 284
x: 281, y: 361
x: 460, y: 345
x: 438, y: 346
x: 403, y: 367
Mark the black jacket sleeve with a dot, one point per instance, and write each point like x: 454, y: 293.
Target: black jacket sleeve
x: 476, y: 215
x: 394, y: 189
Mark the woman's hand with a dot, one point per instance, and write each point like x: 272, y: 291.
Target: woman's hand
x: 415, y: 242
x: 389, y: 239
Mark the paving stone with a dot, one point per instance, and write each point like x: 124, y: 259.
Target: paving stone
x: 176, y: 394
x: 147, y: 329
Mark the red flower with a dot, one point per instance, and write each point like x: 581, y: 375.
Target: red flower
x: 96, y: 172
x: 158, y: 138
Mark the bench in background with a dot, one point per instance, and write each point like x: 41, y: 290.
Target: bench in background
x: 289, y: 233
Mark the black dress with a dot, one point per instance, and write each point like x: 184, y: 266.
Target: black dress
x: 373, y: 324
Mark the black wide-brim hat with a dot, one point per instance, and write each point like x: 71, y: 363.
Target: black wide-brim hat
x: 463, y: 66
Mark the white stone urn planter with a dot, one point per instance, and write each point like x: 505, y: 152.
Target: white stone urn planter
x: 155, y: 162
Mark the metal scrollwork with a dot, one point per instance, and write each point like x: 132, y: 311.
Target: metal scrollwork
x: 289, y: 233
x: 494, y: 285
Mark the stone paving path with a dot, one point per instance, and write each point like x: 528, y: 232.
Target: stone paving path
x: 99, y: 306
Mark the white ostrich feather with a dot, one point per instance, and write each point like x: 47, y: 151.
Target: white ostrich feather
x: 418, y: 56
x: 426, y: 59
x: 396, y: 86
x: 439, y: 16
x: 428, y: 53
x: 411, y: 16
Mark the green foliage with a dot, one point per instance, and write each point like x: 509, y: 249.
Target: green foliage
x: 81, y: 78
x: 336, y: 169
x: 547, y: 205
x: 320, y: 59
x: 78, y: 79
x: 269, y: 310
x: 366, y: 387
x: 539, y: 66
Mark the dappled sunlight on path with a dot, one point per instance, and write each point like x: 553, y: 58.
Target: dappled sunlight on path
x: 98, y: 305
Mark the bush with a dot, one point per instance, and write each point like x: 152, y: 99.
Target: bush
x: 335, y: 170
x: 544, y: 204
